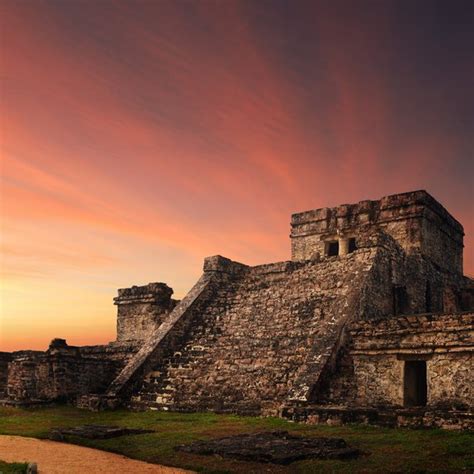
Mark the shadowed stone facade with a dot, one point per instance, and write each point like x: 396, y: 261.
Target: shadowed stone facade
x: 371, y: 314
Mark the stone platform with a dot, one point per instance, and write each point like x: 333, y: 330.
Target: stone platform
x: 95, y: 432
x: 417, y: 417
x: 278, y: 447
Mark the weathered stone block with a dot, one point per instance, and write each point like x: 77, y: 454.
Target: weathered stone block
x: 141, y: 310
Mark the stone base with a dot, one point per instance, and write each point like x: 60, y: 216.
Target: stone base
x: 388, y: 417
x: 94, y: 432
x: 97, y: 402
x: 25, y: 403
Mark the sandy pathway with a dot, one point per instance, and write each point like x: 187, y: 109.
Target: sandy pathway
x: 59, y: 458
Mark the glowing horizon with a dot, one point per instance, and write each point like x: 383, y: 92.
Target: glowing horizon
x: 140, y: 137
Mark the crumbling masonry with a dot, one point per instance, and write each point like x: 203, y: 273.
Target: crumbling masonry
x: 370, y: 321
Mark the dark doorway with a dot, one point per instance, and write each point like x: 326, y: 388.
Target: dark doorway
x: 428, y: 297
x: 333, y: 248
x: 414, y: 388
x: 352, y: 245
x: 400, y: 300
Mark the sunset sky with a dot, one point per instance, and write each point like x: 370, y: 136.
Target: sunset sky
x: 139, y: 137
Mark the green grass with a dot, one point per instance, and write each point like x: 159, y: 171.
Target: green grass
x: 12, y: 468
x: 385, y: 450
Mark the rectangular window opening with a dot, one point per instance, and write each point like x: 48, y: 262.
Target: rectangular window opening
x: 428, y: 298
x: 414, y: 384
x: 400, y: 300
x: 352, y: 245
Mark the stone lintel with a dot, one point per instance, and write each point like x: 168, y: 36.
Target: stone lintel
x: 421, y: 350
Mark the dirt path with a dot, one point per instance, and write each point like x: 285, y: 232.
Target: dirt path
x: 58, y: 458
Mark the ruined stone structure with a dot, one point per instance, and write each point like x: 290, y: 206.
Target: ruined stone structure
x: 370, y: 321
x: 141, y: 310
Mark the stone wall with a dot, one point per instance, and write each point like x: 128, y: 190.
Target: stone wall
x: 141, y: 310
x: 415, y: 220
x: 381, y: 349
x: 5, y: 358
x: 390, y: 417
x: 368, y: 382
x: 64, y: 372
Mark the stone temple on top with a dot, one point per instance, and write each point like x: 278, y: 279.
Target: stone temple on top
x: 370, y: 321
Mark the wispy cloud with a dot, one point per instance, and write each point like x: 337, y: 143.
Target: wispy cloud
x: 140, y: 137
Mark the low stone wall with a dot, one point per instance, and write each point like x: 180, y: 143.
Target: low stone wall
x: 393, y: 418
x: 64, y: 372
x: 5, y: 358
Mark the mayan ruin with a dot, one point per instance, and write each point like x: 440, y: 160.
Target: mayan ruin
x: 370, y: 321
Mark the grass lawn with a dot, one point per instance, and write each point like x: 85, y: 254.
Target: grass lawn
x: 12, y: 468
x: 385, y: 450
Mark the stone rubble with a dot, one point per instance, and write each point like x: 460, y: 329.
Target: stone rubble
x: 277, y: 447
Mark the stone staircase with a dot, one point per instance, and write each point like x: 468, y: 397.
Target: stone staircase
x: 159, y: 386
x: 171, y: 334
x: 264, y: 337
